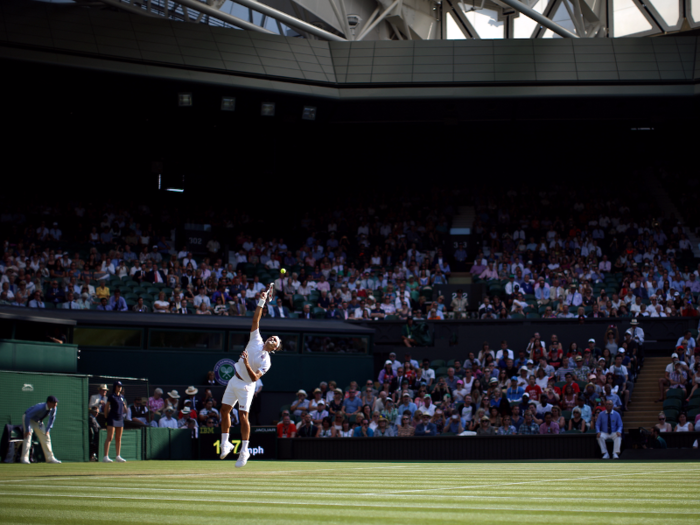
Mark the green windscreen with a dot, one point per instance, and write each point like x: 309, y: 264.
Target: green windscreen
x: 21, y: 390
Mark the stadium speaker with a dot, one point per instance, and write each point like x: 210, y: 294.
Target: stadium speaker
x: 228, y: 104
x: 309, y: 113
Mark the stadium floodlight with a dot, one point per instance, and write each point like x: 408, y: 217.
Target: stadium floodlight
x: 267, y: 109
x: 184, y: 99
x: 228, y: 104
x: 175, y: 190
x: 309, y: 113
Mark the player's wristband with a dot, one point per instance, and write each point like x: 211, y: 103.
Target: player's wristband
x: 261, y: 303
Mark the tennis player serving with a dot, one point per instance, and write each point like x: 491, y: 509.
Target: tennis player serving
x: 253, y: 363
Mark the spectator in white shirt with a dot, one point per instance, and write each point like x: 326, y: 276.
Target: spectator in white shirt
x: 168, y: 421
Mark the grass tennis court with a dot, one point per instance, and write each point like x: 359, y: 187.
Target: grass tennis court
x: 351, y: 492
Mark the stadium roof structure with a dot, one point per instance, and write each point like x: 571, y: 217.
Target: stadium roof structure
x: 367, y: 20
x: 73, y: 317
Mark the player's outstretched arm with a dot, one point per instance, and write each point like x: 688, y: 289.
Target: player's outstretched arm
x: 258, y: 309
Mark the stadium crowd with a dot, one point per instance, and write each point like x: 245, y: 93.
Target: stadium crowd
x: 542, y: 389
x: 540, y: 256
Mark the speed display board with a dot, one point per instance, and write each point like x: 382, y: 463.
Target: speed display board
x: 263, y: 443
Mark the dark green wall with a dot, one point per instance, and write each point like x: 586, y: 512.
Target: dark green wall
x: 21, y: 390
x: 289, y: 372
x: 38, y: 357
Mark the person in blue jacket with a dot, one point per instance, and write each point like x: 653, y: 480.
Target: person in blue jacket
x: 115, y: 408
x: 33, y: 421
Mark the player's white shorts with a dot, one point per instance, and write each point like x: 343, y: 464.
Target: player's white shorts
x: 238, y: 391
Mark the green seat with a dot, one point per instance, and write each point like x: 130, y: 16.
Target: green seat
x: 131, y: 296
x: 694, y: 402
x: 391, y: 318
x: 147, y: 297
x: 695, y: 394
x: 517, y: 316
x: 153, y: 290
x: 566, y: 414
x: 560, y: 384
x: 674, y: 393
x: 451, y: 362
x: 130, y: 302
x: 138, y: 290
x: 437, y: 363
x: 533, y: 315
x: 318, y: 313
x: 673, y: 403
x: 249, y: 313
x: 692, y: 414
x: 168, y: 291
x: 293, y: 315
x: 442, y: 371
x: 671, y: 414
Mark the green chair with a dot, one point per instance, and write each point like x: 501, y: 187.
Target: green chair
x: 318, y: 313
x: 517, y: 316
x: 248, y: 313
x: 451, y: 362
x: 694, y: 403
x: 533, y: 315
x: 138, y: 290
x: 131, y: 296
x: 695, y: 394
x: 293, y: 315
x: 437, y: 363
x: 153, y: 290
x: 671, y: 414
x: 692, y: 414
x: 674, y: 403
x: 674, y: 393
x: 442, y: 371
x: 391, y: 318
x: 566, y: 414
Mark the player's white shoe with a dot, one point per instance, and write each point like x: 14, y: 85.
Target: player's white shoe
x: 25, y: 461
x: 106, y: 460
x: 242, y: 459
x: 120, y: 459
x: 615, y: 456
x: 606, y: 456
x: 226, y: 448
x: 53, y: 460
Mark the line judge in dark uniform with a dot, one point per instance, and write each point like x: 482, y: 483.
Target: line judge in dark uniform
x: 115, y: 408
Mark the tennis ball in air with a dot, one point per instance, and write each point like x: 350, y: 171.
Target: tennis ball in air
x: 283, y: 271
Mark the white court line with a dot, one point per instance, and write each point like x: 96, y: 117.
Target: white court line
x: 359, y: 505
x: 681, y: 499
x: 525, y: 482
x: 118, y: 474
x: 260, y: 474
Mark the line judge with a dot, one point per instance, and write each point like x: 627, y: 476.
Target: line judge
x: 33, y: 421
x: 253, y: 363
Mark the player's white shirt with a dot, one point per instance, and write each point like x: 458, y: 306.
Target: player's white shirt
x: 258, y: 359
